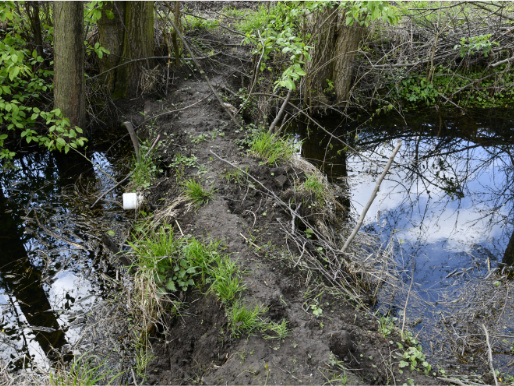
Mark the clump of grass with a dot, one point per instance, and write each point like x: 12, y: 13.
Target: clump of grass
x: 314, y: 185
x: 146, y: 169
x: 272, y: 148
x: 227, y: 282
x: 235, y: 175
x: 279, y: 330
x: 196, y: 193
x: 243, y: 319
x: 85, y: 370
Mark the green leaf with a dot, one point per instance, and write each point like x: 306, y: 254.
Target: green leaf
x: 170, y: 285
x: 60, y: 143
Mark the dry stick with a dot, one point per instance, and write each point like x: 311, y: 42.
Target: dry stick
x: 169, y: 57
x: 408, y: 295
x: 490, y: 354
x: 126, y: 177
x: 133, y: 137
x: 203, y: 73
x: 372, y: 198
x: 279, y: 115
x: 254, y: 79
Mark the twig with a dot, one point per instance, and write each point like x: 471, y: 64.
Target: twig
x: 126, y: 177
x: 490, y: 354
x: 372, y: 198
x: 133, y: 137
x: 203, y: 72
x: 452, y: 380
x: 169, y: 57
x: 170, y: 112
x: 179, y: 228
x: 281, y: 111
x: 408, y: 295
x: 133, y: 376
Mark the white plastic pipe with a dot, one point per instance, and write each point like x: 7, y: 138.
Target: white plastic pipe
x: 132, y: 200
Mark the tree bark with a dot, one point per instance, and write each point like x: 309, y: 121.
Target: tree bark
x: 334, y: 55
x: 346, y: 46
x: 69, y: 53
x: 129, y: 35
x: 508, y: 256
x: 111, y: 33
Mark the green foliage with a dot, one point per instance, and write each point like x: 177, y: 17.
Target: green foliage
x: 280, y: 35
x: 196, y: 23
x: 417, y: 91
x: 365, y: 12
x: 386, y: 325
x: 272, y: 148
x: 144, y: 171
x: 196, y: 193
x: 23, y: 81
x: 180, y: 160
x: 176, y: 264
x: 481, y: 43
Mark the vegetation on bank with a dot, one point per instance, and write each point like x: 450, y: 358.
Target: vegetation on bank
x: 428, y: 54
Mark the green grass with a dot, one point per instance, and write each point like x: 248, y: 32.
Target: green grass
x: 227, y: 282
x: 196, y: 193
x: 314, y: 184
x: 244, y: 320
x: 278, y: 330
x: 235, y: 176
x: 85, y: 370
x: 145, y: 171
x: 254, y: 20
x: 272, y: 148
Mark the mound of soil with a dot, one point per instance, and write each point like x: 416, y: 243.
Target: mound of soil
x: 329, y: 340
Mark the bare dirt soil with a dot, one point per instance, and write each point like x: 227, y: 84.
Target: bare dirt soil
x: 339, y: 343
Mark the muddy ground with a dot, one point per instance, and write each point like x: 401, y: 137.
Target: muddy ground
x: 340, y: 345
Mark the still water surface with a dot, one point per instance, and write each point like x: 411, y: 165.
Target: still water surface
x: 52, y: 270
x: 447, y: 205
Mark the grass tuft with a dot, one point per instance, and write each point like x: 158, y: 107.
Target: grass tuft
x: 272, y: 148
x: 85, y: 370
x: 196, y: 193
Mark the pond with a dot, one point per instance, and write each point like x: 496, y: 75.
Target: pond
x: 445, y: 209
x: 53, y: 266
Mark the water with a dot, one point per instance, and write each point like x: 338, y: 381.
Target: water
x: 446, y: 204
x: 53, y: 268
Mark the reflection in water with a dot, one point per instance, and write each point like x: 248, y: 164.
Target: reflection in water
x: 447, y: 201
x: 50, y: 255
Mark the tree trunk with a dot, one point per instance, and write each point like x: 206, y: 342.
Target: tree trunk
x: 69, y: 53
x: 129, y: 35
x: 32, y: 9
x: 347, y: 44
x: 111, y: 33
x: 508, y: 256
x: 331, y: 68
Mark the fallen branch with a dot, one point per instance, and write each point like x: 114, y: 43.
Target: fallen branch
x: 281, y: 111
x: 372, y: 198
x: 490, y: 354
x: 133, y: 137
